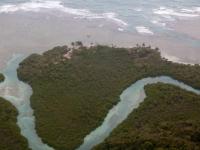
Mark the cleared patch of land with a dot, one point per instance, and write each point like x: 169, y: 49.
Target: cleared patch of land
x: 10, y: 137
x: 167, y: 119
x: 72, y: 96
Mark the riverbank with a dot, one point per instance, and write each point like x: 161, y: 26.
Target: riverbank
x: 9, y: 131
x: 74, y: 95
x: 18, y: 94
x: 167, y: 119
x: 130, y: 101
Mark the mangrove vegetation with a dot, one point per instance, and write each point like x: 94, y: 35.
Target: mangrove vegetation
x: 10, y: 137
x: 168, y: 119
x: 72, y: 95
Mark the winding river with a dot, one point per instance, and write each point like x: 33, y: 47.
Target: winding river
x: 129, y: 100
x: 18, y: 93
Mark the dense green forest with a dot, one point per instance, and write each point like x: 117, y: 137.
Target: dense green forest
x: 73, y: 95
x: 10, y: 137
x: 168, y: 119
x: 1, y: 77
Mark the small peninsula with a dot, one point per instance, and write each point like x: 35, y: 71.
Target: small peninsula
x: 75, y: 87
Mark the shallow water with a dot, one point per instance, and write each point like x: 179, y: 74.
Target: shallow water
x: 130, y: 100
x: 18, y: 93
x: 37, y: 25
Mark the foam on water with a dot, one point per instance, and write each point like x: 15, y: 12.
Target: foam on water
x: 159, y: 23
x: 144, y: 30
x: 163, y: 11
x: 42, y: 5
x: 125, y: 14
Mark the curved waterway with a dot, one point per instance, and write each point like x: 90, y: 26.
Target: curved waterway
x: 129, y: 100
x: 18, y: 93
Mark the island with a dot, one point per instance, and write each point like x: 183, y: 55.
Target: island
x: 1, y: 77
x: 10, y: 136
x: 75, y: 87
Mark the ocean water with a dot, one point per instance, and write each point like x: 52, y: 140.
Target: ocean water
x: 172, y: 25
x: 145, y: 17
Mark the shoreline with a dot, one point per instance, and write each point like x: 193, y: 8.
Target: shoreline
x: 42, y: 31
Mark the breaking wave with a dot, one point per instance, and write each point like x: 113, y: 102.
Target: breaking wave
x: 39, y: 5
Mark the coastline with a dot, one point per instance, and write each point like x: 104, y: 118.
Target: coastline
x: 37, y: 32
